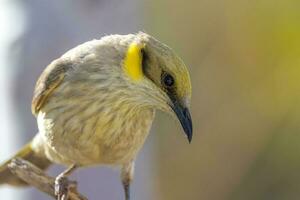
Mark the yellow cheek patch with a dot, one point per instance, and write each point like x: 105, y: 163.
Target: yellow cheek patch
x: 133, y: 61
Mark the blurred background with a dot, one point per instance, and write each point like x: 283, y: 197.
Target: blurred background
x: 244, y: 59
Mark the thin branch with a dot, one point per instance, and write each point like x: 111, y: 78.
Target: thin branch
x: 37, y: 178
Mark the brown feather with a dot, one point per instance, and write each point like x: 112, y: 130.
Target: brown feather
x: 50, y: 79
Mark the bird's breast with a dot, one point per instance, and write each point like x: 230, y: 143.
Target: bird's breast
x: 123, y: 141
x: 92, y: 132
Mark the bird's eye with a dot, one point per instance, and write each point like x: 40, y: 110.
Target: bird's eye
x: 168, y: 80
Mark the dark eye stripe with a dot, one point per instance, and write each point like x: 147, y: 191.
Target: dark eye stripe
x: 144, y: 59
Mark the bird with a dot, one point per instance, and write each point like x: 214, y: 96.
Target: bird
x: 96, y: 103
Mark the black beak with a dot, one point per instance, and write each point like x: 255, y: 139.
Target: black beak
x: 183, y: 114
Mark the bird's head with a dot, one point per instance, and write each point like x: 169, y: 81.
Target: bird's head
x: 158, y: 78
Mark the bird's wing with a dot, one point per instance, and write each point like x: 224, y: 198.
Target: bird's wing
x: 50, y: 79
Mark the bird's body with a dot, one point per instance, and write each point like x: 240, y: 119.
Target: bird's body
x: 91, y: 140
x: 95, y: 104
x: 84, y: 123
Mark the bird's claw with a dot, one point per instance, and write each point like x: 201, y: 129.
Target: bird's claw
x: 62, y: 187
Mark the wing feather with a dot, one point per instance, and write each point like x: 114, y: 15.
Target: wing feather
x: 49, y: 80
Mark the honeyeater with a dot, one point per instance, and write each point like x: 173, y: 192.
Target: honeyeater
x: 95, y: 105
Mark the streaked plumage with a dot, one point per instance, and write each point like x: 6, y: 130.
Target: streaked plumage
x: 95, y: 104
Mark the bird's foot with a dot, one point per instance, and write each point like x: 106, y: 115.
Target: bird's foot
x: 62, y: 187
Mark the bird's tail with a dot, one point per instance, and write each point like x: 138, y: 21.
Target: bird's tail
x: 26, y: 153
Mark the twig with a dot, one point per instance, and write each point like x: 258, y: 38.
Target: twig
x: 37, y: 178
